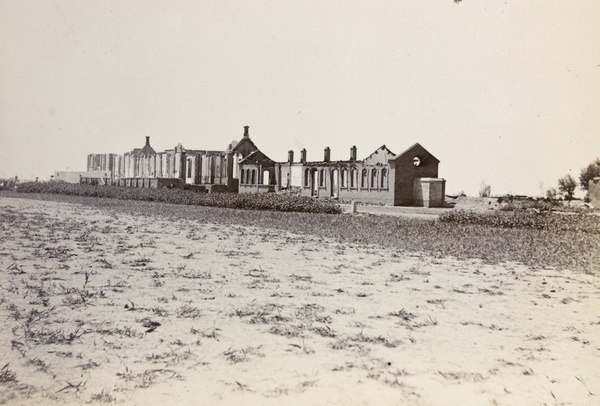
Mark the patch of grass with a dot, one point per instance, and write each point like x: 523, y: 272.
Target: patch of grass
x: 189, y: 312
x: 363, y: 338
x: 6, y: 375
x: 429, y: 321
x: 103, y: 397
x: 325, y: 331
x: 266, y: 314
x: 403, y: 315
x: 46, y: 335
x: 289, y: 331
x: 211, y: 332
x: 462, y: 376
x: 40, y: 364
x: 438, y: 302
x: 147, y: 378
x: 118, y: 331
x: 398, y: 278
x: 172, y: 358
x: 579, y: 222
x: 567, y: 242
x: 242, y: 355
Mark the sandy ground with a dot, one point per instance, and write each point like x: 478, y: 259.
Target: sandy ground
x: 103, y: 307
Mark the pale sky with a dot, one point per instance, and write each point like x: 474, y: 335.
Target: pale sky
x: 502, y: 91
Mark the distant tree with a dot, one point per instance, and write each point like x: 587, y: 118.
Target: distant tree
x: 551, y: 193
x: 567, y: 185
x: 485, y: 190
x: 588, y: 173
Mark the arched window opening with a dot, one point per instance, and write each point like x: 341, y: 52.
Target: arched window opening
x: 363, y: 178
x: 322, y: 177
x: 343, y: 177
x: 384, y: 179
x: 374, y: 178
x: 253, y: 177
x: 306, y: 178
x: 353, y: 177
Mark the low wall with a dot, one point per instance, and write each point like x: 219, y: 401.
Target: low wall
x: 196, y: 188
x: 382, y: 196
x: 216, y: 188
x: 256, y: 188
x: 75, y: 177
x: 154, y: 183
x: 429, y: 192
x: 169, y: 183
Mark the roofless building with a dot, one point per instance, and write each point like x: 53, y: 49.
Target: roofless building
x: 410, y: 178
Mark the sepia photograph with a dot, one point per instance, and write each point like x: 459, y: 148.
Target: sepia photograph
x: 284, y: 202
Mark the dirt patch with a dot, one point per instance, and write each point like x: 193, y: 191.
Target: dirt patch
x: 104, y: 307
x: 478, y: 204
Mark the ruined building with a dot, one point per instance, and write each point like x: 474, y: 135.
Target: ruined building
x: 410, y: 178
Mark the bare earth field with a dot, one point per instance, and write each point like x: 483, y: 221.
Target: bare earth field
x: 99, y: 306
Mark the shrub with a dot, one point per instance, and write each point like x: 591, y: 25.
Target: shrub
x: 512, y: 204
x: 578, y: 222
x: 485, y: 190
x: 588, y: 173
x: 567, y: 185
x: 551, y: 194
x: 267, y: 201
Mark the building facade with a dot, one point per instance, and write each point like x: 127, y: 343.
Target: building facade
x: 383, y: 177
x: 410, y: 178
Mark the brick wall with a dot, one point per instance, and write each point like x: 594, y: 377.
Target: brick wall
x: 405, y: 172
x: 429, y: 192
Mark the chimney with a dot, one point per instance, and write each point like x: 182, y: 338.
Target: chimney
x: 327, y: 155
x: 353, y: 153
x: 303, y: 155
x: 246, y: 133
x: 291, y: 156
x: 147, y: 140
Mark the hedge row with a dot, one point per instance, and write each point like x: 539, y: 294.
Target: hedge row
x: 578, y: 222
x: 247, y: 201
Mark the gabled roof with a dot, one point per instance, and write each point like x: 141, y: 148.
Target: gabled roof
x: 419, y: 148
x: 256, y: 157
x: 245, y: 146
x: 383, y: 148
x: 147, y: 150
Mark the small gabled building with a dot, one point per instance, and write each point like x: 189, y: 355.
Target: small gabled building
x: 238, y: 152
x: 257, y: 173
x: 416, y: 181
